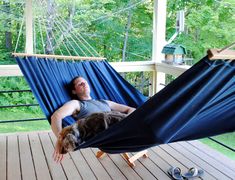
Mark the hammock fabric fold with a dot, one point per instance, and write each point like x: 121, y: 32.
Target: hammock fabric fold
x: 199, y: 103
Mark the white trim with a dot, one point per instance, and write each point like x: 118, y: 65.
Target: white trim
x: 14, y: 70
x: 29, y: 27
x: 159, y: 29
x: 10, y: 70
x: 133, y: 66
x: 174, y: 70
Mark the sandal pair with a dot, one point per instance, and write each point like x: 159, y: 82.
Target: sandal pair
x: 175, y: 173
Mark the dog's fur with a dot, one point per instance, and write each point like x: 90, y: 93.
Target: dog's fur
x: 72, y: 136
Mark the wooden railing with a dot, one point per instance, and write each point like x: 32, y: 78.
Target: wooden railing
x: 139, y: 66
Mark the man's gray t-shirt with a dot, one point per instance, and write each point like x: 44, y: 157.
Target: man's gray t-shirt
x: 89, y: 107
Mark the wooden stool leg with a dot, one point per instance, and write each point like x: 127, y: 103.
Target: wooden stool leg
x: 127, y: 158
x: 99, y: 154
x: 132, y: 159
x: 145, y: 155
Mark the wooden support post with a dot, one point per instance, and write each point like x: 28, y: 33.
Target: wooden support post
x: 159, y: 38
x: 130, y: 159
x: 99, y: 154
x: 29, y: 27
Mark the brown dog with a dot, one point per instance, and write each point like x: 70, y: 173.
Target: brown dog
x: 72, y: 136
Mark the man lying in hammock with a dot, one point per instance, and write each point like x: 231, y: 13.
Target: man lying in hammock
x: 82, y: 108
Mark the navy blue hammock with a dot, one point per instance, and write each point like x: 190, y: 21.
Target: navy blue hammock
x: 199, y: 103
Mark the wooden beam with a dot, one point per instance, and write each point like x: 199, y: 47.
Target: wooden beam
x: 214, y: 54
x: 49, y: 56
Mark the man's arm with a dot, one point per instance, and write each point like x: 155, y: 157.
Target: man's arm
x: 66, y: 110
x: 120, y: 107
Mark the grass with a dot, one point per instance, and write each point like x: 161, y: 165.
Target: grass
x: 22, y: 126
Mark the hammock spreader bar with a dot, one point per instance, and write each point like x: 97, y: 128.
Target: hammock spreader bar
x: 199, y: 103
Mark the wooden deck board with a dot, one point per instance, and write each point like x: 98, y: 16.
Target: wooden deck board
x: 68, y: 164
x: 199, y: 161
x: 188, y: 162
x: 82, y: 165
x: 41, y: 168
x: 109, y: 166
x: 142, y: 171
x: 3, y: 157
x: 27, y: 166
x: 29, y: 156
x: 169, y: 159
x: 13, y: 165
x: 94, y: 164
x: 128, y: 172
x: 229, y: 163
x: 153, y: 168
x: 221, y: 170
x: 56, y: 169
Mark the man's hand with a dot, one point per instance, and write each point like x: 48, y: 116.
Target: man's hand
x: 56, y: 155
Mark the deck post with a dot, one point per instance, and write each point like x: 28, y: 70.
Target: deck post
x: 29, y: 27
x: 159, y: 40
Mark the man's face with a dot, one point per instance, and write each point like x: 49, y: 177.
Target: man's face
x: 81, y: 87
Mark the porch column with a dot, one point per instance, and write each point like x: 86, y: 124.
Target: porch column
x: 29, y: 27
x: 159, y: 41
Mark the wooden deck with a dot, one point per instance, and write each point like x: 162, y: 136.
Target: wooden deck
x: 29, y: 156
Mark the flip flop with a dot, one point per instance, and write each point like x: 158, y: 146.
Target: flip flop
x: 175, y: 173
x: 193, y: 172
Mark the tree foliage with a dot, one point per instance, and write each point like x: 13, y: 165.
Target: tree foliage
x: 209, y: 24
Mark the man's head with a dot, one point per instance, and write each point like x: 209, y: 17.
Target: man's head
x: 81, y: 88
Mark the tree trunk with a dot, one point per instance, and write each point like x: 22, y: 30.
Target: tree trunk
x: 127, y: 28
x: 71, y: 11
x: 71, y: 14
x: 50, y: 23
x: 8, y: 34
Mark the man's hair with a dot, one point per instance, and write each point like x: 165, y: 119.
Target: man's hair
x: 71, y: 87
x: 71, y: 84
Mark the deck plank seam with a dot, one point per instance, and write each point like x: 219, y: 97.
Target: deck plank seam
x: 151, y: 149
x: 196, y: 164
x: 45, y: 157
x: 221, y: 162
x: 18, y: 144
x: 101, y: 163
x: 112, y: 157
x: 32, y: 155
x: 173, y: 157
x: 205, y: 161
x: 109, y: 159
x: 88, y: 164
x: 7, y: 156
x: 131, y: 167
x: 212, y: 164
x: 155, y: 166
x: 70, y: 156
x: 138, y: 160
x: 52, y: 142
